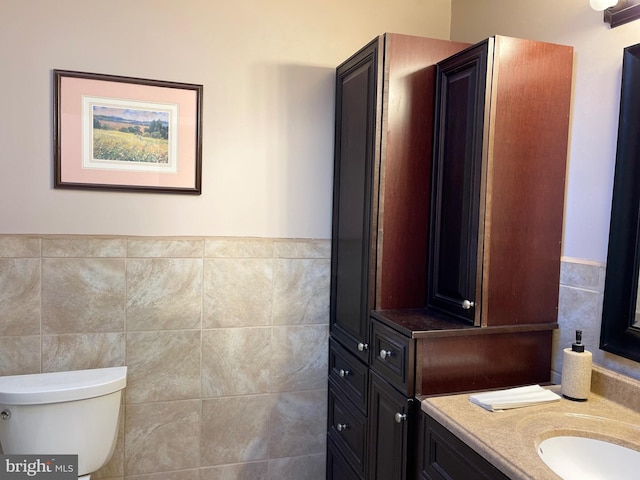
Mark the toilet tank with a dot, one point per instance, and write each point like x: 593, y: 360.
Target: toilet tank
x: 72, y: 413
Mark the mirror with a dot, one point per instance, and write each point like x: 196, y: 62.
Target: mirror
x: 620, y: 333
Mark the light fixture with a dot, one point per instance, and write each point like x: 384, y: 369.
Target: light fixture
x: 617, y: 12
x: 600, y: 5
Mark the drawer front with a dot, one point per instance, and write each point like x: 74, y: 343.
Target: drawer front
x: 337, y: 466
x: 446, y: 457
x: 392, y: 357
x: 347, y: 428
x: 349, y: 374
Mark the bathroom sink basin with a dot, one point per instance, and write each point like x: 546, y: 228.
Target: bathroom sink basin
x: 589, y: 459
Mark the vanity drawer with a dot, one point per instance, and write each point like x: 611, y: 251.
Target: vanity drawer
x: 337, y: 466
x: 444, y: 456
x: 349, y: 374
x: 347, y: 428
x: 392, y: 357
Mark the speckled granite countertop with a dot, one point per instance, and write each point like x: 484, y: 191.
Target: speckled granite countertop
x: 509, y: 439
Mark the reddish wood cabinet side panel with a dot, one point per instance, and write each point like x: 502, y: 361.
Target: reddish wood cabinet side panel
x: 526, y: 181
x: 405, y: 172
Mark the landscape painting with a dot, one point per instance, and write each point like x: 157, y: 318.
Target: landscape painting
x: 125, y: 133
x: 130, y: 135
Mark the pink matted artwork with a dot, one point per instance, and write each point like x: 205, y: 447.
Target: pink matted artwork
x: 125, y: 133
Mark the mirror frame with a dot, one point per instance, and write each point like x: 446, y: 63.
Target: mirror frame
x: 618, y: 335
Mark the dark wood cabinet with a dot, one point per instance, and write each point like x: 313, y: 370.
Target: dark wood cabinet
x: 447, y: 221
x: 389, y: 427
x: 443, y: 456
x: 383, y: 145
x: 353, y: 202
x: 498, y: 182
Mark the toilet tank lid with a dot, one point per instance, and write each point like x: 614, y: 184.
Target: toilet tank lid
x: 56, y: 387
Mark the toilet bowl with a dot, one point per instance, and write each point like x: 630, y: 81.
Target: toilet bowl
x: 72, y: 413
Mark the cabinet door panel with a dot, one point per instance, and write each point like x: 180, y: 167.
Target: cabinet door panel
x: 456, y: 178
x: 352, y: 202
x: 388, y: 433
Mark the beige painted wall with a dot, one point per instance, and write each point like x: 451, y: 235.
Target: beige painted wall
x: 594, y: 123
x: 596, y: 97
x: 268, y: 72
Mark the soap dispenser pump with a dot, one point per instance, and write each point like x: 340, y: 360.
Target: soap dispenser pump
x: 576, y: 371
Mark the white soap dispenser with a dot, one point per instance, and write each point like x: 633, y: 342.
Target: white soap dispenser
x: 576, y: 371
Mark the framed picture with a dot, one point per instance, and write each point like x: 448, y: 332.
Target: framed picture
x: 129, y: 134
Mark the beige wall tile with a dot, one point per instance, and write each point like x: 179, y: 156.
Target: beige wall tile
x: 19, y: 296
x: 82, y: 246
x: 299, y: 358
x: 16, y: 246
x: 164, y: 293
x: 163, y: 366
x: 235, y: 429
x: 160, y: 247
x: 235, y: 361
x: 19, y: 355
x: 83, y: 295
x: 298, y: 424
x: 582, y: 274
x: 301, y: 292
x: 238, y: 247
x: 239, y: 471
x: 303, y: 249
x: 82, y: 350
x: 193, y: 474
x: 237, y: 292
x: 308, y: 467
x: 162, y: 436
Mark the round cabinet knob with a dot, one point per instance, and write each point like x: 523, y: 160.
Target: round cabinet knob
x: 401, y: 417
x: 363, y: 347
x: 467, y: 304
x: 341, y: 427
x: 384, y: 354
x: 344, y: 373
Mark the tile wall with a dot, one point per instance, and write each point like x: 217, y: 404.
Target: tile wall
x: 580, y: 308
x: 225, y: 342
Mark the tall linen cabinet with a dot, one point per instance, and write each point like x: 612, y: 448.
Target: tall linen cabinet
x: 383, y: 146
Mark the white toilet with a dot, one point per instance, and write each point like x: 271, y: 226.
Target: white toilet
x: 73, y: 413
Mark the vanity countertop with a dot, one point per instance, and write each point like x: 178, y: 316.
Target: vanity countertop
x: 509, y: 439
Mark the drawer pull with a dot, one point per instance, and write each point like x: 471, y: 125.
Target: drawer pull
x: 344, y: 373
x: 341, y: 427
x: 384, y: 354
x: 401, y: 417
x: 362, y: 347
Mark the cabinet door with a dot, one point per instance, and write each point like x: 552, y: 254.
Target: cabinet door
x: 388, y: 431
x: 352, y: 199
x: 457, y: 183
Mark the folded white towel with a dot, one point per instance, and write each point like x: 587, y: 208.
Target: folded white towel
x: 514, y: 398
